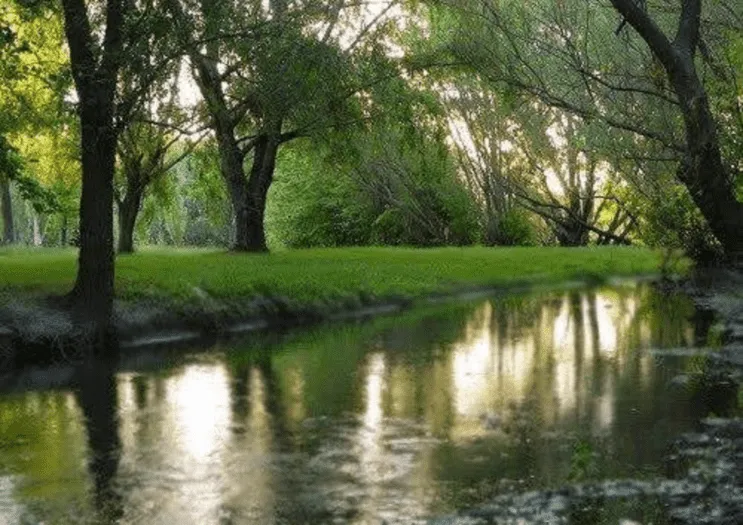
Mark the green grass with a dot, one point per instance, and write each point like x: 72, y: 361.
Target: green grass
x: 319, y: 274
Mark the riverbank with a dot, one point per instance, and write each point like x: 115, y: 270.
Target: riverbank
x: 167, y: 296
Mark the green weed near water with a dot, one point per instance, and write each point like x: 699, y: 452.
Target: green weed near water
x: 312, y: 275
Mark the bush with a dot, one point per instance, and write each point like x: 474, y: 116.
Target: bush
x: 514, y: 228
x: 386, y: 192
x: 673, y: 221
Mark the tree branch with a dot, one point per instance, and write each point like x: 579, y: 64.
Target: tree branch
x: 648, y: 30
x: 80, y: 42
x: 687, y: 36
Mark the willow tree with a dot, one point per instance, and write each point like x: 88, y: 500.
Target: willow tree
x: 269, y: 73
x: 702, y: 170
x: 481, y: 129
x: 639, y: 79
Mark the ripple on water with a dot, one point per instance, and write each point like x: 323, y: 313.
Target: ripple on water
x: 390, y: 421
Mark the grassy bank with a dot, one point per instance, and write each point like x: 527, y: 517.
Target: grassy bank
x: 186, y: 275
x: 167, y: 295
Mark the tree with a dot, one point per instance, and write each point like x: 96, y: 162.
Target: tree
x: 95, y: 69
x: 9, y: 168
x: 518, y: 154
x: 647, y: 90
x: 393, y: 184
x: 268, y: 75
x: 481, y: 129
x: 9, y: 66
x: 145, y: 155
x: 35, y: 117
x: 148, y: 117
x: 572, y: 183
x: 7, y: 206
x: 702, y: 169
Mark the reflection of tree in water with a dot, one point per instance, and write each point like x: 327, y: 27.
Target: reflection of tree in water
x: 662, y: 319
x: 248, y: 371
x: 141, y: 388
x: 563, y: 369
x: 96, y: 394
x: 259, y: 426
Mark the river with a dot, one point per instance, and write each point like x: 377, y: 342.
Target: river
x: 391, y: 420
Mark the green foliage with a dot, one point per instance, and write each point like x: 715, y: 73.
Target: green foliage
x: 516, y: 228
x: 36, y: 125
x: 672, y: 220
x: 208, y: 208
x: 312, y: 205
x: 583, y: 464
x: 11, y: 163
x: 43, y: 200
x: 12, y: 166
x: 385, y: 188
x: 190, y: 206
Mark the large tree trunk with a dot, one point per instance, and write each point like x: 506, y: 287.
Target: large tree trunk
x: 249, y: 196
x: 94, y: 287
x: 703, y: 170
x: 231, y: 167
x: 128, y: 209
x: 95, y: 70
x: 7, y: 206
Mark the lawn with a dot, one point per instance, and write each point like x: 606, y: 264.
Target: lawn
x: 319, y: 274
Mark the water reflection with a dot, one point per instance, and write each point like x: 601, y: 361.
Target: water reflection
x: 97, y: 397
x: 395, y: 419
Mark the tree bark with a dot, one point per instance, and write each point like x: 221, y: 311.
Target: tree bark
x: 7, y: 206
x: 95, y: 81
x: 231, y: 167
x: 703, y: 171
x: 37, y: 238
x: 261, y: 177
x: 94, y: 287
x: 128, y: 209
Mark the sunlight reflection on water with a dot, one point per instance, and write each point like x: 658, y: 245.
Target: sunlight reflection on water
x: 396, y: 419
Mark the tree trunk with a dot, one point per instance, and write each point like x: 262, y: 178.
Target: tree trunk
x: 37, y: 237
x: 703, y: 171
x: 7, y: 206
x: 128, y: 209
x: 94, y: 287
x: 95, y: 68
x: 63, y: 232
x: 261, y: 177
x: 231, y: 167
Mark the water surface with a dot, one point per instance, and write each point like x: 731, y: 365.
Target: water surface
x: 392, y: 420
